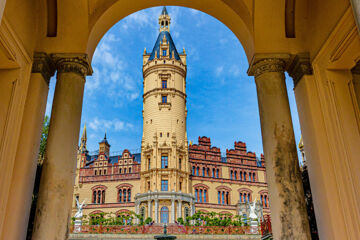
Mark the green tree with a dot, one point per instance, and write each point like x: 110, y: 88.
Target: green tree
x: 43, y: 139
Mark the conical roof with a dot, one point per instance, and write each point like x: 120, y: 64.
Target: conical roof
x: 172, y: 47
x: 164, y: 11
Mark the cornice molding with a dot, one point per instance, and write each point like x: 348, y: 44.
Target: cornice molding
x: 300, y: 66
x: 44, y: 65
x: 72, y: 62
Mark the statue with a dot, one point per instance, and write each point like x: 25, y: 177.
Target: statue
x: 79, y: 214
x: 252, y: 214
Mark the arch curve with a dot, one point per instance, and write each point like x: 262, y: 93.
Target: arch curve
x: 235, y: 14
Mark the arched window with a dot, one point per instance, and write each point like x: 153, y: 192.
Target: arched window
x: 240, y: 176
x: 94, y: 197
x: 219, y: 197
x: 103, y: 196
x: 227, y: 198
x: 129, y: 169
x: 124, y: 170
x: 193, y: 170
x: 241, y: 200
x: 197, y: 171
x: 124, y: 193
x: 149, y: 164
x: 205, y: 195
x: 196, y: 195
x: 208, y: 172
x: 244, y: 176
x: 164, y: 215
x: 200, y: 195
x: 104, y: 171
x: 119, y: 170
x: 100, y: 172
x: 129, y: 195
x: 248, y: 199
x: 203, y: 172
x: 120, y: 195
x: 217, y: 173
x: 235, y: 175
x: 213, y: 170
x: 142, y: 212
x: 231, y: 174
x: 99, y: 196
x: 186, y: 212
x: 95, y: 172
x: 249, y: 177
x: 266, y: 203
x: 223, y: 197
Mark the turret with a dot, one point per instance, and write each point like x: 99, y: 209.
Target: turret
x: 104, y: 147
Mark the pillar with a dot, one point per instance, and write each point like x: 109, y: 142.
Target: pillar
x: 288, y: 211
x: 57, y: 180
x: 149, y: 209
x: 137, y: 204
x: 156, y: 210
x: 23, y: 178
x: 179, y: 209
x: 356, y: 81
x: 172, y: 220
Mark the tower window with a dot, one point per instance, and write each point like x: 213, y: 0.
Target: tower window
x: 164, y: 185
x: 164, y: 52
x: 164, y: 99
x: 179, y: 163
x: 164, y: 161
x: 164, y: 84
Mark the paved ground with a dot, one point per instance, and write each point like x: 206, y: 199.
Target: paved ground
x: 150, y: 236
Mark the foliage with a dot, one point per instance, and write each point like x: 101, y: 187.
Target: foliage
x: 43, y: 140
x: 198, y: 219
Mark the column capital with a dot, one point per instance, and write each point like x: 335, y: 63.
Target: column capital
x: 299, y: 67
x: 43, y: 64
x: 263, y: 63
x: 356, y: 69
x: 72, y: 62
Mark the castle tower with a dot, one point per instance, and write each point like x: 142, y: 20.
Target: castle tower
x: 164, y: 149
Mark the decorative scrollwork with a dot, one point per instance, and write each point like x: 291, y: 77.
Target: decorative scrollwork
x: 43, y: 64
x: 75, y: 63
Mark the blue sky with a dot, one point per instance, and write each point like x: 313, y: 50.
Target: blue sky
x: 222, y: 102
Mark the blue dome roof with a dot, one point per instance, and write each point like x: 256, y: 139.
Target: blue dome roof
x: 171, y: 46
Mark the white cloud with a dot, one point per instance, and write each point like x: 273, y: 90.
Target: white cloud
x: 234, y: 70
x: 113, y: 125
x: 219, y: 70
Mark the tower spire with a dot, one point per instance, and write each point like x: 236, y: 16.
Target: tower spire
x: 164, y: 20
x: 83, y: 140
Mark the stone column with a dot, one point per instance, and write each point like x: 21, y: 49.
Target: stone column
x: 172, y: 220
x: 288, y: 211
x: 137, y: 204
x: 23, y: 178
x: 179, y: 209
x: 149, y: 208
x: 57, y: 180
x: 156, y: 210
x: 356, y: 81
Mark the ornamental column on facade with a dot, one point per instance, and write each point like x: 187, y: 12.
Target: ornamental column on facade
x: 288, y: 211
x: 164, y: 148
x: 57, y: 179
